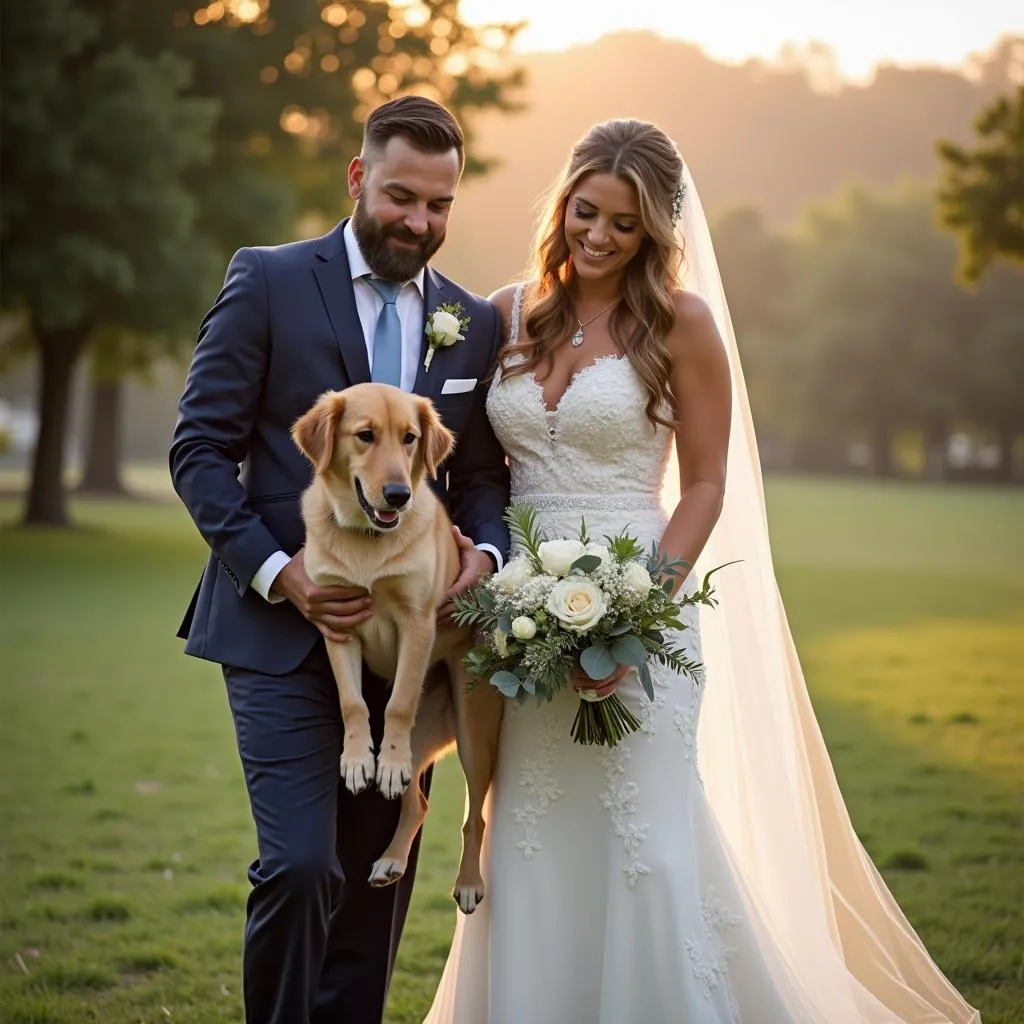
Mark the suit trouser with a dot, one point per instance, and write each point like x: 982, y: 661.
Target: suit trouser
x: 320, y: 943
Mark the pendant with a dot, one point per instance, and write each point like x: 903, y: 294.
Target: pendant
x: 577, y: 338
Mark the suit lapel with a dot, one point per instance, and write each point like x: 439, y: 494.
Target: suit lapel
x: 334, y: 278
x: 428, y: 382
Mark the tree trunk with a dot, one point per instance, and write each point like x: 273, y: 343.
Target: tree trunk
x: 881, y: 447
x: 103, y: 453
x: 58, y: 354
x: 936, y: 438
x: 1007, y: 439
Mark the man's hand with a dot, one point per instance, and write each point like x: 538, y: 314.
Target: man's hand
x: 600, y: 687
x: 474, y: 564
x: 335, y: 611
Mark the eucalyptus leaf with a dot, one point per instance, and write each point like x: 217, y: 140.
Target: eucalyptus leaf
x: 646, y: 681
x: 628, y: 650
x: 624, y: 627
x: 597, y: 661
x: 586, y: 563
x: 505, y: 623
x: 506, y: 683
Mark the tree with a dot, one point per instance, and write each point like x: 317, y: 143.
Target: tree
x: 995, y: 361
x: 853, y: 329
x: 982, y: 194
x: 128, y: 100
x: 96, y: 228
x: 114, y: 354
x: 884, y: 331
x: 236, y: 193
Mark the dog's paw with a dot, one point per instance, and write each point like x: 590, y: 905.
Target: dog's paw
x: 468, y: 897
x: 393, y: 775
x: 357, y: 772
x: 386, y: 871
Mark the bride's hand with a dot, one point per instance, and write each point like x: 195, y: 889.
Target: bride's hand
x: 601, y: 687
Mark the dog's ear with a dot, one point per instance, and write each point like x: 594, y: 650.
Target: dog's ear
x: 314, y: 431
x: 436, y: 440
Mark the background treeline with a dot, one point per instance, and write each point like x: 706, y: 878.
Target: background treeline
x: 143, y: 143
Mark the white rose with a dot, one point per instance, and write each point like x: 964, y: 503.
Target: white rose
x: 557, y: 556
x: 599, y: 551
x: 578, y: 603
x: 515, y: 573
x: 445, y: 326
x: 637, y: 578
x: 524, y: 628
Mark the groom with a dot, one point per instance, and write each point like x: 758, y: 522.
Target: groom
x: 291, y: 322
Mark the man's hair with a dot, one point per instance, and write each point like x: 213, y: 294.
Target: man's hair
x: 425, y: 124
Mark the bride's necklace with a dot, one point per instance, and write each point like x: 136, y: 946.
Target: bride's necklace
x: 577, y: 338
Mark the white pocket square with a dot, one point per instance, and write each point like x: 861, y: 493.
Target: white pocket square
x: 458, y: 385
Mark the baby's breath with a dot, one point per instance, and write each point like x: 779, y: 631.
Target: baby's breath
x: 609, y: 578
x: 532, y: 594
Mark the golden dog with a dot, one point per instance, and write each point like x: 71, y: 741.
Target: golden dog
x: 373, y: 521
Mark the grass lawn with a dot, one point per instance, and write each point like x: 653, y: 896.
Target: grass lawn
x: 124, y: 827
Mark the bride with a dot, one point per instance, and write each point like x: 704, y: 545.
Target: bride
x: 705, y: 870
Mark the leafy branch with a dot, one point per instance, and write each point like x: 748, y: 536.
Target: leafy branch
x: 522, y: 524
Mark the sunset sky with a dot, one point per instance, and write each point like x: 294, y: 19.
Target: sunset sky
x: 862, y: 32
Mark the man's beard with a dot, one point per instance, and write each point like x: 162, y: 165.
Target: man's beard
x: 386, y: 262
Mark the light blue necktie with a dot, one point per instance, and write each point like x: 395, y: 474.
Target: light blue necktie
x: 387, y: 336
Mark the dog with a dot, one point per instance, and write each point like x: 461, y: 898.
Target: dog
x: 372, y: 521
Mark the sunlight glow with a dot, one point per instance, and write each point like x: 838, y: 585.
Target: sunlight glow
x: 862, y: 35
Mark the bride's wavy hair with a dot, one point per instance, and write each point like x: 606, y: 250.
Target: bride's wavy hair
x: 641, y: 154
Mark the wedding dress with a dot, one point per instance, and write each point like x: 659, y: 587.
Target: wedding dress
x: 666, y: 879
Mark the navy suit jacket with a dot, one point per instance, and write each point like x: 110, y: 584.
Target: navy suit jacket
x: 283, y: 330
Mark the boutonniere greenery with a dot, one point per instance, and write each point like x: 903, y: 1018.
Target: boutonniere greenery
x: 444, y: 328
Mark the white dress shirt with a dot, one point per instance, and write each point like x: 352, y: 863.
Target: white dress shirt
x: 368, y: 306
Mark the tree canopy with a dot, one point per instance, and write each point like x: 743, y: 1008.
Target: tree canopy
x: 982, y: 194
x: 145, y: 142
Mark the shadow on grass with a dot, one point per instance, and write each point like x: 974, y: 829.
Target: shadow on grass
x: 950, y: 844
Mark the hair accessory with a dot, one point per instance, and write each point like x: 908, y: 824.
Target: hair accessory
x: 677, y: 202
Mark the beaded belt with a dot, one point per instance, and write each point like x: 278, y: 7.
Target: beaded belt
x: 593, y: 503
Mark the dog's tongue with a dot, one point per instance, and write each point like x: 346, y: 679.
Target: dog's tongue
x: 386, y: 517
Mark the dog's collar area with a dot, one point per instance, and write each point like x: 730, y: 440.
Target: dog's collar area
x: 382, y: 526
x: 363, y: 531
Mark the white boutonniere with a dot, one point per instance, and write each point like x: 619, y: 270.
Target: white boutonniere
x: 444, y: 327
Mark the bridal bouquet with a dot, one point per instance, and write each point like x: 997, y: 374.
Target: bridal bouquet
x: 573, y: 602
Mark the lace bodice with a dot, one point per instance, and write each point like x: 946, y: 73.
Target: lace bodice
x: 597, y: 453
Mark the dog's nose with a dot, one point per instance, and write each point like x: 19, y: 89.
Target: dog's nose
x: 396, y: 495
